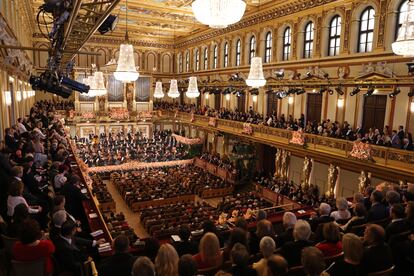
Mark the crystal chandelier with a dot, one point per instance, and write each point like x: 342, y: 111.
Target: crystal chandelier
x: 218, y: 13
x: 192, y: 91
x: 126, y: 70
x: 158, y: 93
x: 404, y: 45
x: 256, y: 78
x: 99, y: 83
x: 173, y: 92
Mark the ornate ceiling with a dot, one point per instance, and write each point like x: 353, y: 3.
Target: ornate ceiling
x: 158, y: 20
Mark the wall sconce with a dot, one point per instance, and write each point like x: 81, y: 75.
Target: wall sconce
x: 412, y: 107
x: 341, y: 103
x: 228, y: 97
x: 290, y: 100
x: 206, y: 96
x: 254, y: 98
x: 7, y: 97
x: 18, y: 96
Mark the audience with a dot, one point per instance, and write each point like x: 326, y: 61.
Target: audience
x: 342, y: 214
x: 166, y: 262
x: 240, y: 261
x: 187, y: 266
x: 267, y: 248
x: 332, y: 244
x: 289, y: 221
x: 292, y: 250
x: 313, y: 262
x: 143, y: 266
x: 377, y: 211
x: 277, y: 266
x: 209, y: 252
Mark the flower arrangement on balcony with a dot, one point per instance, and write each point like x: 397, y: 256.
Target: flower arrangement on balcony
x: 119, y: 113
x: 88, y: 115
x: 212, y: 121
x: 361, y: 151
x: 298, y: 138
x: 187, y: 141
x: 247, y: 129
x: 144, y: 115
x: 192, y: 117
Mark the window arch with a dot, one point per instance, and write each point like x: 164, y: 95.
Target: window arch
x: 268, y: 47
x: 187, y: 62
x: 205, y: 58
x: 308, y: 42
x: 226, y: 55
x: 197, y: 60
x: 366, y: 30
x: 252, y: 48
x: 238, y: 52
x: 334, y: 36
x: 215, y: 56
x: 401, y: 15
x: 287, y: 42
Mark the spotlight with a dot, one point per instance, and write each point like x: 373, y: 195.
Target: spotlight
x: 395, y: 92
x: 309, y: 75
x: 411, y: 93
x: 281, y: 94
x: 355, y: 91
x: 330, y: 91
x: 300, y: 91
x: 339, y: 90
x: 370, y: 91
x: 108, y: 25
x: 322, y: 90
x: 410, y: 67
x: 280, y: 74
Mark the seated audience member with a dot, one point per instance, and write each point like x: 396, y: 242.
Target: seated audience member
x: 332, y: 244
x: 121, y: 262
x: 15, y: 198
x: 359, y: 217
x: 378, y: 211
x: 267, y: 247
x: 20, y: 214
x: 68, y: 255
x: 263, y: 228
x: 30, y: 247
x: 377, y: 255
x: 289, y: 221
x: 399, y: 223
x: 240, y: 261
x: 350, y: 264
x: 185, y: 246
x: 261, y: 214
x: 342, y: 213
x: 74, y: 197
x: 324, y: 216
x: 292, y: 250
x: 313, y: 262
x: 166, y: 262
x: 392, y: 197
x: 209, y: 252
x: 237, y: 235
x: 143, y: 267
x: 409, y: 210
x: 187, y: 266
x: 277, y: 266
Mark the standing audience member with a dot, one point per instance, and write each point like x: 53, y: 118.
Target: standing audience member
x: 166, y: 262
x: 378, y: 211
x: 187, y: 266
x: 240, y: 261
x: 399, y: 223
x: 209, y: 254
x: 277, y: 266
x: 289, y: 221
x: 21, y: 213
x: 267, y: 248
x: 143, y: 267
x: 313, y: 262
x: 342, y: 213
x: 332, y: 244
x: 185, y: 245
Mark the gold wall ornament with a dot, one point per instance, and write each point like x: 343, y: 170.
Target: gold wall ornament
x: 278, y: 163
x: 364, y: 181
x: 333, y: 174
x: 285, y: 164
x: 307, y: 170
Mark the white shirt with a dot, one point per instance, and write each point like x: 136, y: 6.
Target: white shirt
x: 21, y: 128
x: 13, y: 201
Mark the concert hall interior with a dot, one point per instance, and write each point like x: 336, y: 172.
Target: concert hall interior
x: 206, y: 137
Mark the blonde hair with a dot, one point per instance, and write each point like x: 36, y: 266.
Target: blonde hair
x: 352, y: 247
x: 166, y: 262
x: 209, y: 247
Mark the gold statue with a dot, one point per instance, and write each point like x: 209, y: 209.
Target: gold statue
x: 307, y: 169
x: 364, y: 181
x: 285, y: 164
x: 333, y: 173
x: 278, y: 163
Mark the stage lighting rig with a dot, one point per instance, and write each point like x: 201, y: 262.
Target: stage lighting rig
x: 370, y: 91
x: 109, y: 24
x: 396, y: 91
x: 355, y: 91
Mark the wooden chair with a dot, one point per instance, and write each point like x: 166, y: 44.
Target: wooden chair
x: 329, y: 260
x: 28, y: 268
x: 387, y: 272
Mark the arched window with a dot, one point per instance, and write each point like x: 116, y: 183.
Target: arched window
x: 366, y: 30
x: 287, y: 41
x: 226, y: 55
x: 334, y: 36
x: 268, y: 47
x: 308, y: 43
x: 238, y: 52
x: 197, y: 60
x: 215, y: 56
x: 401, y: 15
x: 205, y: 58
x: 187, y: 62
x: 252, y: 48
x: 180, y: 63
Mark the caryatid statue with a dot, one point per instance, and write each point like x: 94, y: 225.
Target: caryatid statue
x: 307, y: 169
x: 364, y: 181
x: 285, y: 164
x: 278, y: 163
x: 333, y: 174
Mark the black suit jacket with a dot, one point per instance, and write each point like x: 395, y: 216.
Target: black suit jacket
x: 68, y: 256
x: 119, y: 264
x: 377, y: 211
x: 186, y: 247
x: 284, y: 237
x: 396, y: 227
x: 376, y: 258
x: 74, y: 198
x: 292, y: 251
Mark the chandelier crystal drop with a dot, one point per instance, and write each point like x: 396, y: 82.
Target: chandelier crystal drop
x: 126, y: 70
x: 173, y: 92
x: 256, y: 78
x: 404, y: 45
x: 218, y: 13
x: 192, y: 91
x: 158, y: 93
